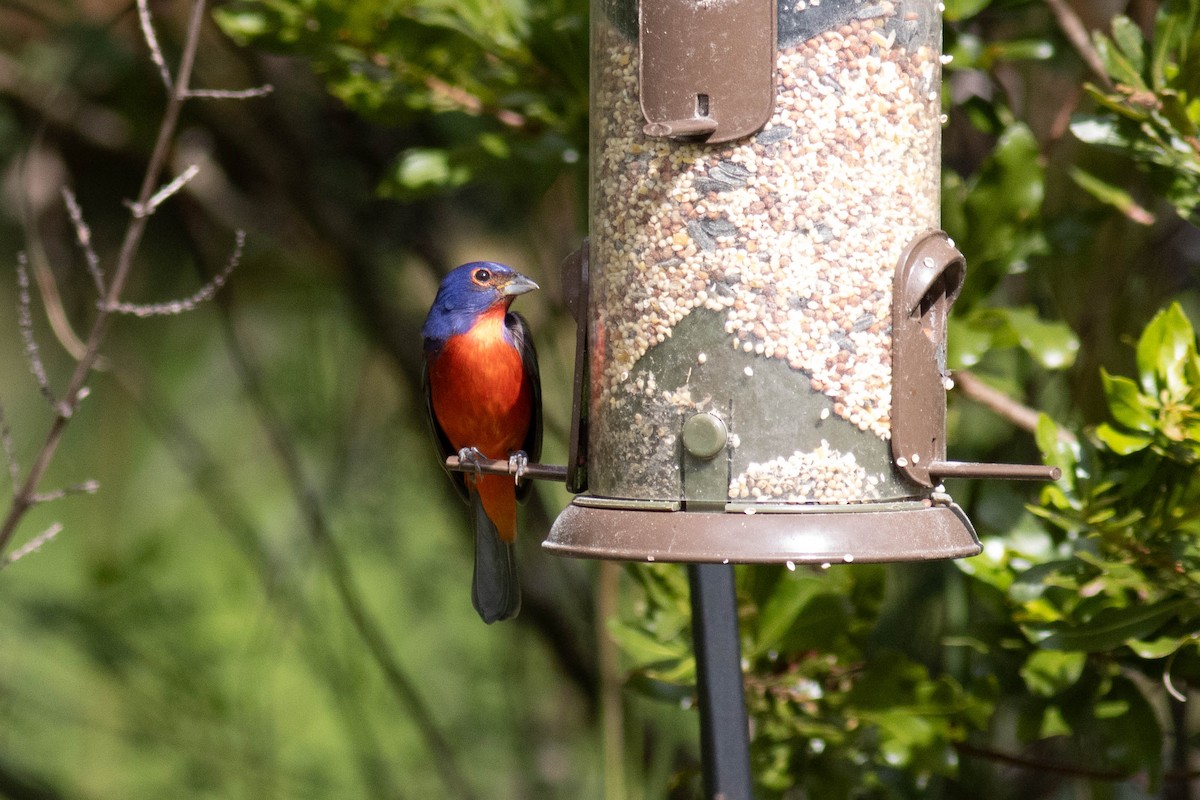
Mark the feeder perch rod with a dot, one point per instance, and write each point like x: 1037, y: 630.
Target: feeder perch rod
x: 1014, y: 472
x: 724, y: 730
x: 498, y: 466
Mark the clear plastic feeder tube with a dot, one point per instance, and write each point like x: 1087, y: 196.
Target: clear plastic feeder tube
x: 751, y: 280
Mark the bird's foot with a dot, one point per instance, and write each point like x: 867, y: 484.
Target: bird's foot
x: 517, y: 463
x: 472, y: 458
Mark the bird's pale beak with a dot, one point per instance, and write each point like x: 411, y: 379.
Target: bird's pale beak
x: 518, y: 284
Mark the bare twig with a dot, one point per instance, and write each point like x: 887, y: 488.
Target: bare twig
x: 83, y: 235
x: 1039, y: 765
x: 206, y: 292
x: 156, y: 54
x: 87, y: 487
x: 32, y: 545
x: 232, y: 94
x: 27, y: 493
x: 25, y: 323
x: 163, y: 194
x: 1019, y: 414
x: 472, y: 104
x: 1073, y: 28
x: 10, y: 452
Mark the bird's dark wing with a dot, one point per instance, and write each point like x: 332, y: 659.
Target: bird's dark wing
x: 440, y: 439
x: 532, y: 446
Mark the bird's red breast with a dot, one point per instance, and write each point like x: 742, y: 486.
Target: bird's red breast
x: 483, y: 398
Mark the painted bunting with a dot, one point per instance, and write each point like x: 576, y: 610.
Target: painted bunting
x: 483, y: 395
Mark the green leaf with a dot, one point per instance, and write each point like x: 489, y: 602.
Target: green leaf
x: 1117, y: 63
x: 1128, y: 37
x: 822, y: 624
x: 1111, y: 195
x: 1127, y: 405
x: 1173, y: 108
x: 1048, y: 672
x: 1123, y: 443
x: 421, y: 170
x: 1000, y: 227
x: 1052, y: 344
x: 1053, y: 723
x: 1099, y: 131
x: 1160, y: 647
x: 1018, y: 50
x: 1108, y: 629
x: 644, y: 648
x: 1057, y: 450
x: 642, y: 683
x: 1163, y: 350
x: 967, y: 343
x: 957, y: 10
x: 792, y: 593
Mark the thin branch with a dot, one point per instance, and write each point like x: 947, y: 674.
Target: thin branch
x: 206, y: 292
x: 10, y: 452
x: 25, y: 323
x: 47, y: 287
x: 232, y: 94
x: 1073, y: 28
x: 1069, y: 770
x: 33, y: 545
x: 164, y: 194
x: 306, y: 498
x: 156, y: 54
x: 472, y: 104
x: 1019, y: 414
x: 83, y: 235
x: 24, y: 498
x: 1038, y: 765
x: 87, y: 487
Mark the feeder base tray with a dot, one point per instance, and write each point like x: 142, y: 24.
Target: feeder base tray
x: 867, y: 532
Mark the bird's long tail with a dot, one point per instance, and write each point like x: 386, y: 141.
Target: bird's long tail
x: 495, y: 591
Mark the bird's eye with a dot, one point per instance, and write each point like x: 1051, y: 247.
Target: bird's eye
x: 482, y: 275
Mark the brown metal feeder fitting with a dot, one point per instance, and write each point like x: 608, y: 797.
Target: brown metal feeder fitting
x: 762, y: 301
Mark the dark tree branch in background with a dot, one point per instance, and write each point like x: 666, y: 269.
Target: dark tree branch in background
x: 325, y: 660
x: 307, y: 500
x: 149, y: 196
x: 1173, y: 776
x: 17, y: 786
x: 1077, y: 34
x: 1017, y: 413
x: 1021, y: 762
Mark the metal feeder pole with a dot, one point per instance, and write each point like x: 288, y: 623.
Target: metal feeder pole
x: 724, y: 728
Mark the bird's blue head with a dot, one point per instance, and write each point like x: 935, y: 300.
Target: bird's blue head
x: 468, y: 292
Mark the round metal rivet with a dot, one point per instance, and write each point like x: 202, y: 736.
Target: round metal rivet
x: 704, y: 435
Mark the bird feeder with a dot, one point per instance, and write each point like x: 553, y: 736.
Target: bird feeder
x: 762, y: 302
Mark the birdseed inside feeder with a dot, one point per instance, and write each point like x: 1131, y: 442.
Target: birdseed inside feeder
x: 764, y: 212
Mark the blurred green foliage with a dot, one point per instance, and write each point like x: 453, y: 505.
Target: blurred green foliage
x: 1150, y: 109
x: 266, y: 599
x: 499, y: 89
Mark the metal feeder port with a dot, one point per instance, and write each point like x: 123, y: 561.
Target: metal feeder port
x: 762, y: 302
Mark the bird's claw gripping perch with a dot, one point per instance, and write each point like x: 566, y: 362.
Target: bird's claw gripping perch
x: 517, y: 464
x: 472, y: 457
